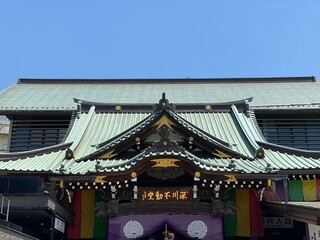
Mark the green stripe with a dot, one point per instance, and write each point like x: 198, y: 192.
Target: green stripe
x: 100, y: 222
x: 230, y: 220
x: 296, y: 192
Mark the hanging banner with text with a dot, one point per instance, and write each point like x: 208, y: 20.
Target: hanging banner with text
x: 165, y: 194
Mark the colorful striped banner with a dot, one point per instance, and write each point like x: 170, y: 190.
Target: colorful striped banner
x: 300, y: 190
x: 247, y: 222
x: 86, y: 223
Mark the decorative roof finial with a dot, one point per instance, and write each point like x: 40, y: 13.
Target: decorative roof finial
x: 269, y: 168
x: 163, y: 101
x: 164, y: 104
x: 98, y: 165
x: 62, y: 168
x: 79, y: 109
x: 259, y: 153
x: 232, y: 164
x: 69, y: 154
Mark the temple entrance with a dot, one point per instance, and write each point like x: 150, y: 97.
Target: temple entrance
x: 153, y: 227
x: 160, y: 235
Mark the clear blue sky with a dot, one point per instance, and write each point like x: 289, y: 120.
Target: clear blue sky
x: 158, y: 39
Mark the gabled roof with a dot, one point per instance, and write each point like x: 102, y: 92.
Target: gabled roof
x: 164, y: 116
x: 57, y: 94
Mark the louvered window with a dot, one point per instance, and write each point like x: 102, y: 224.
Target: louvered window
x: 292, y: 130
x: 37, y: 132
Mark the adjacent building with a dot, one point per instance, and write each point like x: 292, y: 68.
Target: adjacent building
x: 4, y: 134
x: 148, y: 158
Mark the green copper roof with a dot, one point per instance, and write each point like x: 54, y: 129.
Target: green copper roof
x: 91, y: 129
x: 57, y: 95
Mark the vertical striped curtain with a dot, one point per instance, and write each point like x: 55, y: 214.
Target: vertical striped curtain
x: 304, y: 190
x: 247, y: 222
x: 87, y: 224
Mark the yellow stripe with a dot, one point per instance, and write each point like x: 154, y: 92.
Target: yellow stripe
x: 243, y: 212
x: 309, y: 190
x: 87, y: 213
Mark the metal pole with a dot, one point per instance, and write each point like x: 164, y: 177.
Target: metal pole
x: 52, y: 228
x: 166, y: 232
x: 8, y: 208
x: 2, y: 202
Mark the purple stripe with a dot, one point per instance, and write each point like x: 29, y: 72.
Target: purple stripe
x: 280, y: 190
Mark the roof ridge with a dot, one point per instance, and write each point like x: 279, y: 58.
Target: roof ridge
x: 251, y: 141
x: 167, y: 80
x: 80, y: 135
x: 293, y: 151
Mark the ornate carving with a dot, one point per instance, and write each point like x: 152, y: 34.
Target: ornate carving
x: 220, y: 207
x: 220, y: 154
x: 165, y: 162
x: 113, y: 208
x: 108, y: 154
x: 165, y: 142
x: 166, y: 173
x: 164, y: 121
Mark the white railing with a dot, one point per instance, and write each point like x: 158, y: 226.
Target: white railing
x: 4, y: 207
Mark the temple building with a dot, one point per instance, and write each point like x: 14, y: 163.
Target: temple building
x: 117, y: 159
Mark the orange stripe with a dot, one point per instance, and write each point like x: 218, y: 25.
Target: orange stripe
x: 243, y: 213
x: 87, y: 213
x: 309, y: 190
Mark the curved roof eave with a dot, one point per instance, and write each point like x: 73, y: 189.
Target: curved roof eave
x: 289, y: 150
x: 27, y: 154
